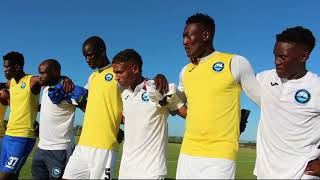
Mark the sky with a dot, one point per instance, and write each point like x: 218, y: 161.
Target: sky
x: 56, y: 29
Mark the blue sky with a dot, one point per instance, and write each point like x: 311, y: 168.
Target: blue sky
x: 57, y: 29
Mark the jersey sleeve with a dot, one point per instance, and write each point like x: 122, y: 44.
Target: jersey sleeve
x: 180, y: 90
x: 247, y: 79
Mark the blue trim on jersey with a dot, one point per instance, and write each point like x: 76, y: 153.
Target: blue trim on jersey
x: 15, y: 151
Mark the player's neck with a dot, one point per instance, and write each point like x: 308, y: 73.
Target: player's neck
x: 103, y: 63
x: 298, y: 75
x: 19, y: 76
x: 138, y: 81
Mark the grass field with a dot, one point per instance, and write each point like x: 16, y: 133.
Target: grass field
x: 245, y: 163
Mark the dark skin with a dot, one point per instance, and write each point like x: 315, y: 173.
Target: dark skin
x: 96, y: 58
x: 49, y: 76
x: 4, y: 97
x: 128, y: 75
x: 197, y: 41
x: 313, y: 168
x: 290, y: 60
x: 16, y: 72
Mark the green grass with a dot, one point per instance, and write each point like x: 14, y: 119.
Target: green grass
x: 245, y: 163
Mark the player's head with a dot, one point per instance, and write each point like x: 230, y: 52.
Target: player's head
x: 4, y: 97
x: 49, y: 72
x: 198, y: 35
x: 13, y: 63
x: 291, y: 51
x: 127, y: 65
x: 94, y: 51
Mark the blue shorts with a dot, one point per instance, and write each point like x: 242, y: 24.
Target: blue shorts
x: 15, y: 151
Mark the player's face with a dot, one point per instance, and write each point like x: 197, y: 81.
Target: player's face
x: 288, y: 59
x: 125, y: 74
x: 8, y: 69
x: 45, y: 75
x: 193, y: 40
x: 91, y: 55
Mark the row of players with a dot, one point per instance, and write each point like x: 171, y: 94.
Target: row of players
x: 288, y: 139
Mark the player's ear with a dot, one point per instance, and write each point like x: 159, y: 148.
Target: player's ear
x: 304, y: 57
x: 18, y: 67
x: 206, y: 35
x: 135, y: 69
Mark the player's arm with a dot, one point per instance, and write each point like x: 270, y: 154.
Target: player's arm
x: 35, y: 85
x: 4, y: 97
x: 182, y: 111
x: 244, y: 74
x: 180, y: 90
x: 82, y: 105
x: 313, y: 168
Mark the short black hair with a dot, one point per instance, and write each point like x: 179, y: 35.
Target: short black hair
x: 204, y: 20
x: 128, y: 55
x: 53, y: 64
x: 299, y: 35
x: 14, y: 58
x: 96, y: 41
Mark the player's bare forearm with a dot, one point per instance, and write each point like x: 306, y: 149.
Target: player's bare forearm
x: 82, y: 106
x: 182, y: 112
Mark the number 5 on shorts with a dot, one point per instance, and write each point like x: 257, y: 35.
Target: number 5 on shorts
x: 107, y: 173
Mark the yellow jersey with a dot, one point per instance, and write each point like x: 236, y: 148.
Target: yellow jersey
x: 2, y: 113
x: 23, y: 108
x: 213, y: 116
x: 103, y: 112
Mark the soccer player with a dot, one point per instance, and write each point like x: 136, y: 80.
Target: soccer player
x: 24, y: 99
x: 56, y: 126
x: 211, y: 84
x: 4, y: 102
x: 146, y: 130
x: 95, y: 155
x: 288, y: 133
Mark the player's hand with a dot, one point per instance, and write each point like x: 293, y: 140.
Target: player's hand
x: 36, y: 128
x: 161, y: 83
x: 68, y: 85
x: 313, y: 168
x: 244, y: 119
x: 120, y: 136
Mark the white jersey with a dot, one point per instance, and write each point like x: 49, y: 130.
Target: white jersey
x: 241, y: 71
x: 146, y: 134
x: 288, y: 132
x: 56, y: 123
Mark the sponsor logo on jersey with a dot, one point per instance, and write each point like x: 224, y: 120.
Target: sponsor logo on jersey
x: 218, y: 66
x: 302, y: 96
x: 109, y: 77
x: 274, y: 84
x: 145, y: 97
x: 23, y: 85
x: 56, y: 172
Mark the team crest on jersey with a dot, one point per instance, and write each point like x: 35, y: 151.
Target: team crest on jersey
x: 56, y: 172
x: 23, y: 85
x: 218, y: 66
x: 145, y: 97
x: 302, y: 96
x: 109, y: 77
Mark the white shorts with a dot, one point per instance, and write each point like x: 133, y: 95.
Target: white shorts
x: 90, y: 163
x: 121, y: 176
x: 196, y: 167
